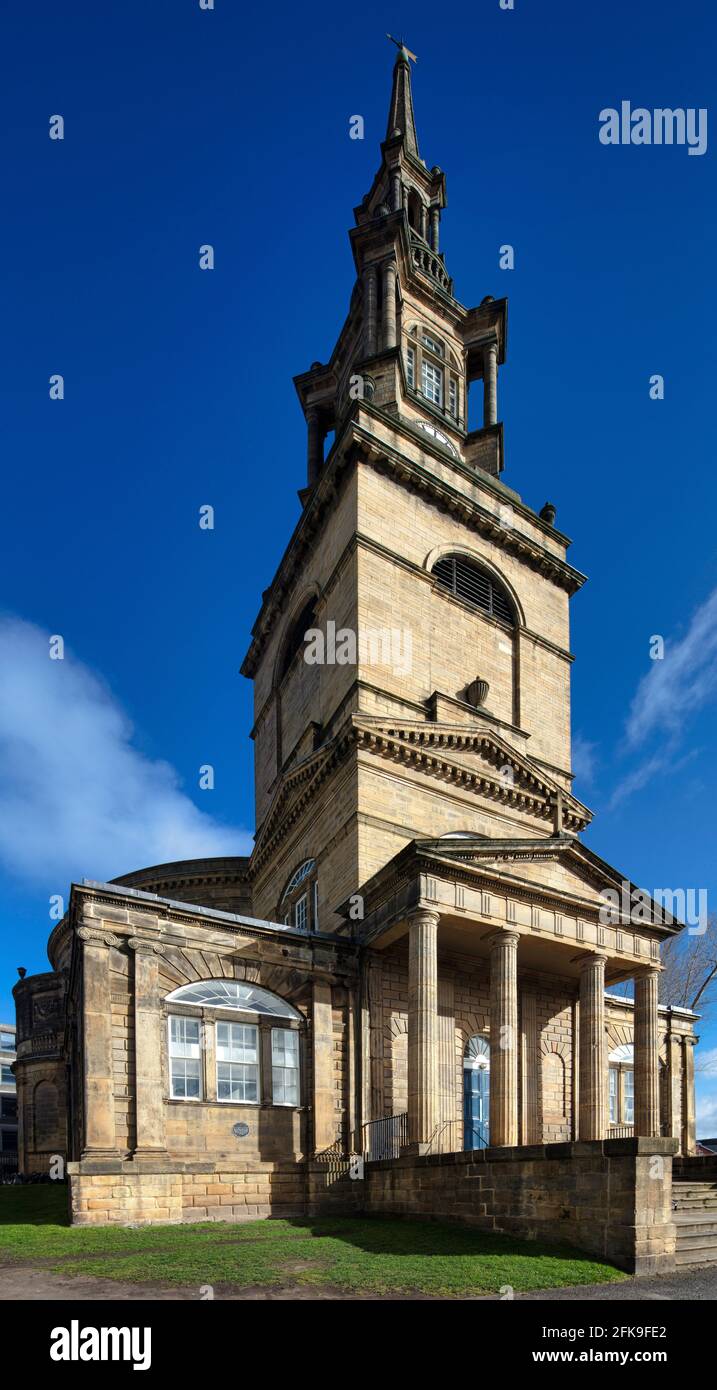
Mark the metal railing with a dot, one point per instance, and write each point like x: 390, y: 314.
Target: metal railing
x: 385, y: 1138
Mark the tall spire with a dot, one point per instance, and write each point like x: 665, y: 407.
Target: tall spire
x: 400, y: 112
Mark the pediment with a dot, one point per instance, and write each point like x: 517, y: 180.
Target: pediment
x: 478, y: 758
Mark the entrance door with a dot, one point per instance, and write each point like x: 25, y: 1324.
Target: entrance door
x: 476, y: 1093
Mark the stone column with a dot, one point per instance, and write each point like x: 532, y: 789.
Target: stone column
x: 435, y: 227
x: 397, y: 190
x: 389, y: 304
x: 148, y: 1023
x: 529, y: 1068
x: 593, y: 1071
x: 422, y: 1026
x: 689, y: 1137
x: 504, y: 1039
x: 674, y: 1087
x: 490, y: 384
x: 315, y: 445
x: 325, y: 1125
x: 647, y: 1057
x: 424, y: 222
x: 98, y: 1140
x: 370, y: 325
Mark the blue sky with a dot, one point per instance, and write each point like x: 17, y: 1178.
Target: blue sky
x: 185, y: 127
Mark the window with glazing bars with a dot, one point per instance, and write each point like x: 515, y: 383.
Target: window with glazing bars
x: 467, y: 581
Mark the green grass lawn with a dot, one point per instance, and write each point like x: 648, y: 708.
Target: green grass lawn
x: 344, y: 1253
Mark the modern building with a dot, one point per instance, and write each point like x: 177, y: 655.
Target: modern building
x: 412, y: 964
x: 8, y: 1100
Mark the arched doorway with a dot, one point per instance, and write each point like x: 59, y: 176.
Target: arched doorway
x: 476, y: 1093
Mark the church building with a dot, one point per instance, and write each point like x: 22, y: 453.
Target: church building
x: 404, y: 1000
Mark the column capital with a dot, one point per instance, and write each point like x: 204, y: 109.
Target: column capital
x: 590, y: 958
x: 648, y: 972
x: 426, y: 916
x: 504, y: 936
x: 94, y: 937
x: 139, y: 943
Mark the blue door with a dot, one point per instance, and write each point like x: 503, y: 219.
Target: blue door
x: 476, y: 1094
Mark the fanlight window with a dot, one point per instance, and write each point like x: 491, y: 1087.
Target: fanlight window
x: 230, y: 994
x: 466, y: 580
x: 623, y: 1053
x: 621, y: 1085
x: 477, y: 1053
x: 296, y: 878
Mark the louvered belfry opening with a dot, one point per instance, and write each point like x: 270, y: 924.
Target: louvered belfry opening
x: 467, y: 581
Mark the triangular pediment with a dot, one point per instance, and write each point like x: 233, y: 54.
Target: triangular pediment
x: 475, y: 757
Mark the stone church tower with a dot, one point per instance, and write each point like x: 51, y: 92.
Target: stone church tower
x: 455, y: 714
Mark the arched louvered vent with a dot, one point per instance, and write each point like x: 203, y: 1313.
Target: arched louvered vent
x: 461, y: 577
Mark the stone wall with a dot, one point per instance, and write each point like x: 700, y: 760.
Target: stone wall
x: 127, y: 1194
x: 612, y: 1199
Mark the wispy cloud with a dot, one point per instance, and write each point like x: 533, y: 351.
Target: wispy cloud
x: 584, y: 757
x: 679, y: 685
x: 673, y: 690
x: 77, y: 797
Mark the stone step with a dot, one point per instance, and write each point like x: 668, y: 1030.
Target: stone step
x: 696, y: 1257
x: 696, y: 1240
x: 694, y: 1203
x: 694, y: 1222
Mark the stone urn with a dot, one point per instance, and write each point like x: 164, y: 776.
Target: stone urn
x: 477, y: 692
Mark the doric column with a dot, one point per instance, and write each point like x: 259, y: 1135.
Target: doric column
x: 397, y: 190
x: 148, y: 1089
x: 674, y: 1087
x: 389, y: 304
x: 529, y: 1067
x: 370, y: 325
x: 647, y: 1056
x: 689, y: 1137
x: 325, y: 1126
x: 490, y: 384
x: 315, y: 445
x: 98, y: 1140
x: 435, y: 226
x: 504, y: 1038
x: 593, y: 1075
x: 422, y: 1026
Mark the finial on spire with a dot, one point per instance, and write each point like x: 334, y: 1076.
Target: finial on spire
x: 403, y: 52
x: 400, y: 115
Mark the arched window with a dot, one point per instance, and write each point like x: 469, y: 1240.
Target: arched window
x: 299, y: 907
x: 295, y: 637
x: 476, y: 1092
x: 257, y: 1058
x: 621, y: 1085
x: 231, y: 994
x: 466, y: 580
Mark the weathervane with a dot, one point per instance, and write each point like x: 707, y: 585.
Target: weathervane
x: 401, y: 45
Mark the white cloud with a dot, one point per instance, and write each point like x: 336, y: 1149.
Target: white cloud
x: 77, y: 799
x: 706, y: 1114
x: 680, y: 684
x: 583, y: 759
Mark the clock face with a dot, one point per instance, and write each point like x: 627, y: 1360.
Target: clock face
x: 438, y: 434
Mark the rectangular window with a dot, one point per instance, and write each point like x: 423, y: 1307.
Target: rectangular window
x: 301, y: 913
x: 613, y: 1095
x: 285, y: 1066
x: 433, y: 344
x: 8, y: 1108
x: 6, y: 1076
x: 237, y: 1062
x: 411, y: 366
x: 432, y: 379
x: 7, y: 1042
x: 184, y: 1058
x: 316, y: 904
x: 453, y: 397
x: 628, y: 1097
x: 8, y: 1141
